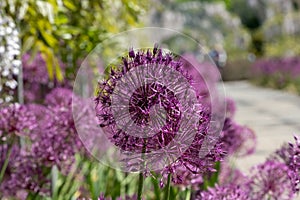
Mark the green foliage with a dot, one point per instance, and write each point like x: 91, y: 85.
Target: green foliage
x: 284, y: 46
x: 69, y: 29
x: 251, y: 17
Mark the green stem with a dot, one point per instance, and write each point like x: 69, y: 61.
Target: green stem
x: 141, y: 184
x: 126, y: 184
x: 168, y: 186
x: 3, y: 169
x: 141, y: 176
x: 188, y: 193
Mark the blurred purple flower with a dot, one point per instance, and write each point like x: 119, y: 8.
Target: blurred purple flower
x: 36, y: 79
x: 228, y: 192
x: 51, y: 140
x: 26, y: 173
x: 289, y: 154
x: 23, y: 171
x: 230, y: 108
x: 59, y: 97
x: 230, y: 175
x: 236, y: 139
x: 271, y: 180
x: 16, y: 119
x: 204, y: 76
x: 280, y: 70
x: 56, y: 141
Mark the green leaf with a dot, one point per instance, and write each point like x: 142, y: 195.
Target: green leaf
x: 28, y: 43
x: 58, y: 71
x: 157, y: 190
x: 48, y: 57
x: 69, y: 5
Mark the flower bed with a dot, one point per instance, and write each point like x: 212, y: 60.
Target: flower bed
x: 279, y: 73
x: 42, y: 156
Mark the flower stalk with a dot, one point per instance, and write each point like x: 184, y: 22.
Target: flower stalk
x: 168, y: 187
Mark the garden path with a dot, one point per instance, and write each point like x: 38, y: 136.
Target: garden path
x: 274, y: 116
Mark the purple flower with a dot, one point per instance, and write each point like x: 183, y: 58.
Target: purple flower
x: 237, y: 139
x: 23, y: 171
x: 51, y: 139
x: 228, y: 192
x: 16, y: 119
x: 26, y: 173
x: 36, y: 79
x: 59, y: 97
x: 148, y: 100
x: 289, y: 154
x: 230, y: 175
x: 102, y: 197
x: 204, y: 76
x: 279, y: 70
x: 56, y: 141
x: 230, y: 108
x: 271, y: 180
x: 35, y: 70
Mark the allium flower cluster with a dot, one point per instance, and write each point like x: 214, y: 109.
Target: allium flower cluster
x: 279, y: 71
x: 289, y: 154
x: 141, y: 102
x: 228, y: 192
x: 230, y: 108
x: 276, y: 178
x: 21, y: 173
x: 58, y: 142
x: 271, y: 180
x: 51, y: 140
x: 143, y: 99
x: 26, y: 173
x: 289, y: 67
x: 230, y: 175
x: 237, y: 139
x: 203, y: 76
x: 16, y: 119
x: 37, y: 83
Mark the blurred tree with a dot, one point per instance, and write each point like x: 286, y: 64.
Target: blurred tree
x: 251, y: 15
x: 69, y: 29
x: 209, y: 22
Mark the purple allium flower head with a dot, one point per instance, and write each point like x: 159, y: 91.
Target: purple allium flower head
x: 289, y: 154
x: 102, y: 197
x: 26, y: 173
x: 143, y: 92
x: 52, y: 140
x: 56, y: 141
x: 181, y: 176
x: 35, y: 69
x: 230, y: 175
x: 59, y: 97
x: 228, y: 192
x: 237, y: 139
x: 230, y: 108
x: 36, y: 79
x: 16, y: 119
x: 271, y: 180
